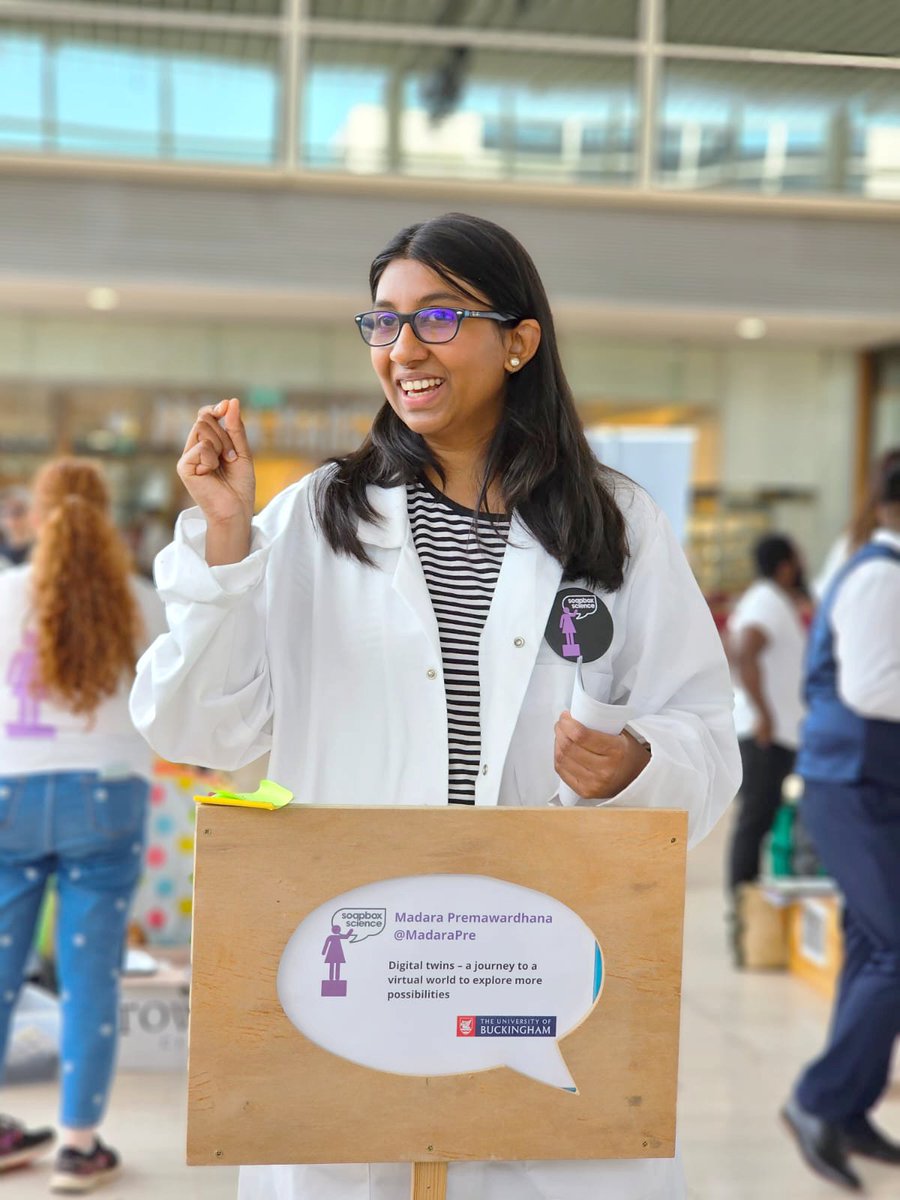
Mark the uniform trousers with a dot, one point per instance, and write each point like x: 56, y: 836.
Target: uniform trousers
x: 856, y: 830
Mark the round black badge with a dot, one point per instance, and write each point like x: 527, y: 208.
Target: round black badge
x: 580, y: 625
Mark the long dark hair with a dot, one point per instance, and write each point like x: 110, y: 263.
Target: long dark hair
x: 538, y: 455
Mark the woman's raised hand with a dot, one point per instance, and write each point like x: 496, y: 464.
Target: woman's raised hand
x: 216, y: 467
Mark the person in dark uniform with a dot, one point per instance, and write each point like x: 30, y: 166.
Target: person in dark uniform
x: 850, y: 763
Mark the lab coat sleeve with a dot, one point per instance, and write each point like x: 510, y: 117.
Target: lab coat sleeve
x: 672, y: 667
x: 202, y: 692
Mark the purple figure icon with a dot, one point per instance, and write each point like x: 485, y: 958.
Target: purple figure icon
x: 334, y: 956
x: 570, y: 649
x: 21, y: 679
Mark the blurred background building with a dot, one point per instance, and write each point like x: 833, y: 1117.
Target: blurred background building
x: 191, y: 192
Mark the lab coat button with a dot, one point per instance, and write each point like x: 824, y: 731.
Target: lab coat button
x: 519, y: 642
x: 431, y: 673
x: 484, y: 769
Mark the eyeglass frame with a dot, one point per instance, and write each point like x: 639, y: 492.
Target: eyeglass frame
x: 409, y: 318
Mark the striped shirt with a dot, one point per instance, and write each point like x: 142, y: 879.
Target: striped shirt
x: 461, y: 573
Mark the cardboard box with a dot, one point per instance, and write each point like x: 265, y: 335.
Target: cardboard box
x: 153, y: 1017
x: 816, y: 942
x: 761, y: 929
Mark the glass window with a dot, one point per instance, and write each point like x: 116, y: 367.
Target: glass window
x: 826, y: 26
x: 107, y: 99
x: 611, y: 18
x: 242, y: 8
x: 427, y: 110
x: 21, y: 74
x: 148, y: 93
x: 778, y: 129
x: 224, y: 104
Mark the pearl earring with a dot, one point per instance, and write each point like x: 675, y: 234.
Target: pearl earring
x: 514, y: 361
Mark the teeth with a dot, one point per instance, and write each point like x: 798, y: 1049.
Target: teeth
x: 419, y: 385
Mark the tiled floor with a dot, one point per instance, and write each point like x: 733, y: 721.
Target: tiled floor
x: 744, y: 1037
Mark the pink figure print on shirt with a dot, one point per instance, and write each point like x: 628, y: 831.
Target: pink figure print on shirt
x: 334, y: 956
x: 21, y: 679
x: 570, y: 649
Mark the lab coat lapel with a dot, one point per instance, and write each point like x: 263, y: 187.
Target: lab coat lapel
x: 394, y: 532
x: 529, y: 579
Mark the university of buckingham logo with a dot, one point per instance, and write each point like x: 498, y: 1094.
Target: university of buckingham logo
x: 473, y: 1026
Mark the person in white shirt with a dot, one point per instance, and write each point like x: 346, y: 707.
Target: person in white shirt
x: 850, y: 764
x: 389, y: 629
x: 767, y: 635
x: 73, y: 793
x: 862, y: 526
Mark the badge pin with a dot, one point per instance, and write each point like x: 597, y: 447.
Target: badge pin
x: 579, y: 626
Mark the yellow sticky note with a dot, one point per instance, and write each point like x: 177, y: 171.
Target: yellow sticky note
x: 269, y: 796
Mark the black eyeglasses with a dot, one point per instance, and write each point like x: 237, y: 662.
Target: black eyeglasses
x: 382, y: 327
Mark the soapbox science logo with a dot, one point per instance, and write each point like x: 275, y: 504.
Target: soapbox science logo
x: 443, y: 975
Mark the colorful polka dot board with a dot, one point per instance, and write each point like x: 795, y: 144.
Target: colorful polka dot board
x: 162, y: 905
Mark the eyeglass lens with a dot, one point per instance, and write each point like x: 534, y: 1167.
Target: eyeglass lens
x: 430, y: 325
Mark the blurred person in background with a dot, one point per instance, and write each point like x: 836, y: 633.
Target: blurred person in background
x: 767, y: 641
x: 850, y: 763
x: 152, y: 533
x: 73, y: 792
x: 444, y: 545
x: 16, y: 532
x: 861, y: 527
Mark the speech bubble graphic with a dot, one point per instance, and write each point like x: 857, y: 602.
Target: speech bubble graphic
x: 466, y: 973
x: 362, y: 922
x: 581, y: 606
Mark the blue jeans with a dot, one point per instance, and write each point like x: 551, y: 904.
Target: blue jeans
x: 89, y: 832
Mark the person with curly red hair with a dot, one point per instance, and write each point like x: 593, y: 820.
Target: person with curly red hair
x: 73, y: 792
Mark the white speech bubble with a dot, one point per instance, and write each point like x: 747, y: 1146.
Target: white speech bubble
x: 581, y: 606
x: 467, y: 973
x: 361, y: 922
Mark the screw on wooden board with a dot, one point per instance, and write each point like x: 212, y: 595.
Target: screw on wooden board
x: 220, y: 1152
x: 674, y: 840
x: 206, y: 831
x: 429, y: 1147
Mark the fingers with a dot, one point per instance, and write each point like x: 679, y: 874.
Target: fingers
x: 573, y: 733
x: 234, y: 426
x: 200, y: 459
x: 212, y: 428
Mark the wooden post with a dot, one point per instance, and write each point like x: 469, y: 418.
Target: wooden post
x: 429, y: 1181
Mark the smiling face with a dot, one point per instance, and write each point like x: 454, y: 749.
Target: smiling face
x: 452, y: 393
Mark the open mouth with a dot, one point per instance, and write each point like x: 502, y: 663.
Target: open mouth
x: 419, y: 390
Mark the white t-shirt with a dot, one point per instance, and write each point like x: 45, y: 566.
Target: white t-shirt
x: 767, y: 607
x: 38, y: 736
x: 866, y: 624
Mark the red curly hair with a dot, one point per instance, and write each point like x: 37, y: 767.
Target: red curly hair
x: 86, y: 618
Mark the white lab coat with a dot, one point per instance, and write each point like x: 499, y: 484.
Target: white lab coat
x: 335, y: 669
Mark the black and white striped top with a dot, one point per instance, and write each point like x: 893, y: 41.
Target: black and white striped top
x: 461, y: 573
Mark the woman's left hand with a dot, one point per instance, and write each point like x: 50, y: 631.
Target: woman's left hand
x: 596, y: 766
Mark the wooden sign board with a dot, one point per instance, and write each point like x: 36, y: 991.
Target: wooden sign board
x: 262, y: 1092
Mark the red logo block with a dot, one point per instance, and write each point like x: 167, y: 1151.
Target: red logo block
x: 465, y: 1026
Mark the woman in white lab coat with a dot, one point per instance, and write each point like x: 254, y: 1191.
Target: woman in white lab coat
x: 389, y: 629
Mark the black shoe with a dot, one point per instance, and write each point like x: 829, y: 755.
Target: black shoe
x: 82, y: 1171
x: 864, y: 1139
x: 19, y: 1145
x: 821, y: 1145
